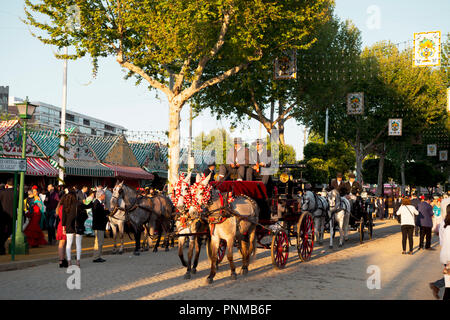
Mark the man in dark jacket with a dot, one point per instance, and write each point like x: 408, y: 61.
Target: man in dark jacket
x: 426, y: 223
x: 211, y: 170
x: 6, y: 213
x: 415, y: 202
x: 51, y: 202
x: 353, y: 186
x: 339, y: 185
x: 99, y: 221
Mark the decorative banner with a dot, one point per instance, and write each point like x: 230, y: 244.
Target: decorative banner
x: 395, y: 127
x: 443, y: 155
x: 431, y: 150
x: 355, y: 103
x: 285, y: 67
x: 427, y: 49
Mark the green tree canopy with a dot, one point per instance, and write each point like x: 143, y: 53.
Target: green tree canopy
x: 170, y: 43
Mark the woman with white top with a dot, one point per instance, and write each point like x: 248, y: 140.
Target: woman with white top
x: 408, y: 214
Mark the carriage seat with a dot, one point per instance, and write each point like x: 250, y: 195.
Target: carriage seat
x: 253, y: 189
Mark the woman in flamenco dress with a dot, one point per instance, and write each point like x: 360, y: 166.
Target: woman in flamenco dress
x: 33, y: 232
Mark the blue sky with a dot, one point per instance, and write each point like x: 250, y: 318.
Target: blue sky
x: 30, y: 69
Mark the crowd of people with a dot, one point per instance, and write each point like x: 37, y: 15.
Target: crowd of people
x: 428, y: 216
x: 70, y: 213
x: 65, y: 213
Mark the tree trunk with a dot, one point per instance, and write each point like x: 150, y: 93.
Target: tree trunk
x: 174, y: 141
x: 281, y: 122
x: 402, y: 173
x: 380, y: 175
x: 359, y: 160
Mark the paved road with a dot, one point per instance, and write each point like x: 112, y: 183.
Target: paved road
x: 331, y: 274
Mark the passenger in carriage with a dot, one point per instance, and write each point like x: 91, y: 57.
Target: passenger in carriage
x: 260, y: 160
x: 237, y: 163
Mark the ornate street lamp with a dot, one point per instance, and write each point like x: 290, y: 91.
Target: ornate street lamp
x: 25, y: 111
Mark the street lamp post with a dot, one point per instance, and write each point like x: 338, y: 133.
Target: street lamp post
x: 25, y: 111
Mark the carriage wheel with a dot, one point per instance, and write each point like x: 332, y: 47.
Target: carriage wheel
x: 280, y: 249
x: 305, y: 236
x: 361, y: 230
x: 221, y: 250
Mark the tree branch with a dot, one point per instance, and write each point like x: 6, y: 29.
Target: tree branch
x: 180, y: 76
x: 220, y: 41
x: 222, y: 76
x: 154, y: 83
x: 376, y: 138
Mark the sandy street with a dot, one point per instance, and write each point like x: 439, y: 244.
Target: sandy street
x: 330, y: 274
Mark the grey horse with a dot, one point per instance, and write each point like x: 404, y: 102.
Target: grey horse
x: 141, y: 211
x: 161, y: 222
x: 227, y: 225
x: 339, y: 211
x: 318, y: 207
x: 116, y: 220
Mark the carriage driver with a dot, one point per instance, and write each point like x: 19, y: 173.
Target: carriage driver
x: 353, y: 186
x: 339, y: 185
x: 237, y: 162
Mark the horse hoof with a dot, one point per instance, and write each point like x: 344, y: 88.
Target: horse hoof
x: 209, y: 280
x: 340, y: 245
x: 136, y: 253
x: 114, y: 252
x: 233, y: 276
x: 244, y: 272
x: 155, y: 250
x: 194, y: 271
x: 166, y: 250
x: 187, y: 275
x: 121, y: 251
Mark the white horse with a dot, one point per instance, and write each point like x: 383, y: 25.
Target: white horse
x: 117, y: 220
x: 339, y: 211
x: 318, y: 207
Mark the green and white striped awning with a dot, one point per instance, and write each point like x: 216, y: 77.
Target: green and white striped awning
x: 85, y: 168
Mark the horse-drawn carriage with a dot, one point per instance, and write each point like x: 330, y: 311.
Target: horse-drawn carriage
x: 280, y: 218
x: 242, y: 214
x: 238, y: 213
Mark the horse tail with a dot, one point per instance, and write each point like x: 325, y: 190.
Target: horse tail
x: 127, y: 228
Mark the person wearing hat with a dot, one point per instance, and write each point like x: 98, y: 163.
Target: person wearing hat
x: 354, y: 187
x: 260, y: 160
x: 237, y: 162
x: 339, y: 185
x: 211, y: 170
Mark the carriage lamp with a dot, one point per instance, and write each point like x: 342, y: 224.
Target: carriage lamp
x: 284, y: 177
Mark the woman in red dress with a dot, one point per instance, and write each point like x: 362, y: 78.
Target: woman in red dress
x: 33, y: 232
x: 61, y: 236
